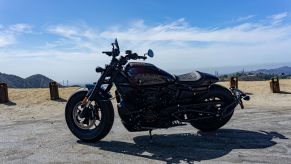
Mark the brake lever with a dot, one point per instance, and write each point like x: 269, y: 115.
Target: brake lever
x: 109, y: 53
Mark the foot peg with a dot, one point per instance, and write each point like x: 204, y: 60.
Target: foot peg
x: 239, y: 95
x: 151, y: 136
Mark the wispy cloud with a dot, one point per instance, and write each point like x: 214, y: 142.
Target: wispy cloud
x: 259, y: 40
x: 180, y: 31
x: 178, y: 34
x: 178, y: 44
x: 80, y: 36
x: 8, y: 34
x: 245, y: 18
x: 6, y: 39
x: 21, y: 27
x: 277, y: 18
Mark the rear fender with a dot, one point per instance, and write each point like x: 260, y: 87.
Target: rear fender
x: 220, y: 87
x: 208, y: 79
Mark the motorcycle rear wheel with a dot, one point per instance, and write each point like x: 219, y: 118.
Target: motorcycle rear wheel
x: 220, y: 93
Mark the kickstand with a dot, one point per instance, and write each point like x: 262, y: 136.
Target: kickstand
x: 151, y: 137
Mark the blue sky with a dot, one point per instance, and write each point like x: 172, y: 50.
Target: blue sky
x: 63, y: 39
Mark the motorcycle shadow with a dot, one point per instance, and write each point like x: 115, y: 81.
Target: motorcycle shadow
x: 174, y: 148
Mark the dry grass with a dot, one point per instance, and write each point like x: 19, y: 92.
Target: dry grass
x: 261, y: 95
x: 33, y: 103
x: 31, y: 97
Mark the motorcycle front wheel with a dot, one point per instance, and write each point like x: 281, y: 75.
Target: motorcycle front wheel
x: 89, y: 129
x: 219, y: 94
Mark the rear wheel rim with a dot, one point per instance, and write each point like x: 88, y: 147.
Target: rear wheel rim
x: 217, y: 107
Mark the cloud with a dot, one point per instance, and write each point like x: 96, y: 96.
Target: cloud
x: 78, y: 36
x: 277, y: 18
x: 65, y: 31
x: 8, y: 34
x: 6, y: 39
x: 250, y: 42
x: 245, y: 18
x: 177, y: 45
x: 180, y: 31
x: 21, y: 27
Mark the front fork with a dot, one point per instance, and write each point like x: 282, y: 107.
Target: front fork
x: 87, y: 111
x: 97, y: 91
x: 91, y: 95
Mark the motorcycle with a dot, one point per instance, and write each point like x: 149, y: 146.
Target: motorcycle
x: 148, y: 98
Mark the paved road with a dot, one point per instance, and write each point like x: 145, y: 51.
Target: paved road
x: 252, y: 136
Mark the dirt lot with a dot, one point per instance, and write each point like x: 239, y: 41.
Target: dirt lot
x: 33, y: 130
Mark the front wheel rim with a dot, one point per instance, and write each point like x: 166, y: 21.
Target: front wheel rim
x: 86, y: 123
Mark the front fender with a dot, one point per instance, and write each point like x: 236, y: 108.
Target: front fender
x: 81, y: 91
x: 84, y: 91
x: 103, y: 95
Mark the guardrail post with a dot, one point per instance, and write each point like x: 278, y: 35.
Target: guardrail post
x: 3, y: 93
x: 54, y: 90
x: 274, y: 85
x: 233, y: 82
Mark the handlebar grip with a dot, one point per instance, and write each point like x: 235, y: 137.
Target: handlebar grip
x: 142, y: 57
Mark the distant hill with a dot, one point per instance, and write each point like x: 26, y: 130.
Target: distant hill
x: 277, y: 71
x: 34, y: 81
x: 261, y: 74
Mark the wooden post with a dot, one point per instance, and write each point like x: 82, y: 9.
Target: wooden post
x: 3, y: 93
x: 54, y: 90
x: 233, y: 82
x: 274, y: 85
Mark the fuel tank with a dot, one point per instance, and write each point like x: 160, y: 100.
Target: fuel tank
x: 140, y: 74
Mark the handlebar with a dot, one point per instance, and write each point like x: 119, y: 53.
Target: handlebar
x: 129, y: 55
x: 142, y: 57
x: 135, y: 56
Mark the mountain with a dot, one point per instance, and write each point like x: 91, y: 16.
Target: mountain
x: 278, y: 71
x: 38, y: 81
x: 34, y: 81
x: 13, y: 81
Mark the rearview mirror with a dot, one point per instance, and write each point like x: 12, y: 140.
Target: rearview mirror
x: 150, y: 53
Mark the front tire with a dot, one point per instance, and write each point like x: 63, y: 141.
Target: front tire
x: 214, y: 123
x: 87, y: 132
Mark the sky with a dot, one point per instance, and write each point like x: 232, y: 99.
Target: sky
x: 64, y: 39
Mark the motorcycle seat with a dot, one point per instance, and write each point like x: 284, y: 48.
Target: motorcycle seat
x: 191, y: 77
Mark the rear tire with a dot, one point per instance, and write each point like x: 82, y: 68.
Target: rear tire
x: 89, y: 135
x: 215, y: 123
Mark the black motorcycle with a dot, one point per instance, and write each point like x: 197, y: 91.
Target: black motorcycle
x: 148, y: 98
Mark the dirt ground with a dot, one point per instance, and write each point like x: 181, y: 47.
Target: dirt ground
x: 33, y: 130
